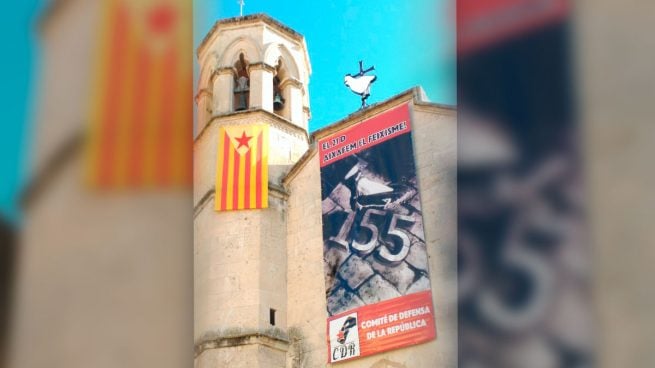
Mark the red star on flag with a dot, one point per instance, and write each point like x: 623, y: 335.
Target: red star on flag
x: 243, y: 140
x: 161, y: 19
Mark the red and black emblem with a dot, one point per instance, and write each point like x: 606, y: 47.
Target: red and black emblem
x: 349, y: 323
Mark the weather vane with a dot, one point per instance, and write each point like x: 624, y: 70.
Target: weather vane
x: 360, y: 83
x: 241, y: 4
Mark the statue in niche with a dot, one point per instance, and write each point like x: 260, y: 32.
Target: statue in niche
x: 242, y: 84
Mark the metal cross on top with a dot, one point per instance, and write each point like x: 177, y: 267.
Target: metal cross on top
x: 241, y: 4
x: 360, y: 83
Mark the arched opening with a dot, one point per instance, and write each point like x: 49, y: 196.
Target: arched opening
x: 241, y: 84
x: 279, y: 99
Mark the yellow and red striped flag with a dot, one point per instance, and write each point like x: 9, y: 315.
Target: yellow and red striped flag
x: 141, y: 113
x: 242, y: 168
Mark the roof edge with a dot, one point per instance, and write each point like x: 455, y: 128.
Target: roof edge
x: 299, y: 165
x: 252, y: 18
x: 415, y: 94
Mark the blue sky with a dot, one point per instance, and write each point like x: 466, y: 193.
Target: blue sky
x: 409, y: 42
x: 16, y: 92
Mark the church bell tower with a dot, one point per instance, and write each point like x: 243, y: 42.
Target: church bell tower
x: 253, y: 70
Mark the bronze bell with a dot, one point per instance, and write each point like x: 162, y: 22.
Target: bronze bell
x: 278, y: 101
x: 240, y: 94
x: 241, y: 102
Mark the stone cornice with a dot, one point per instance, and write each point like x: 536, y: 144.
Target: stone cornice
x: 415, y: 94
x: 273, y: 341
x: 225, y: 70
x: 209, y: 194
x: 277, y: 191
x: 443, y: 108
x: 274, y: 190
x: 276, y: 120
x: 363, y: 114
x: 246, y: 20
x: 261, y: 65
x: 291, y: 82
x: 299, y: 165
x: 203, y: 93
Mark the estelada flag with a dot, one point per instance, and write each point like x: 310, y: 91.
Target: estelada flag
x: 242, y: 168
x: 141, y: 112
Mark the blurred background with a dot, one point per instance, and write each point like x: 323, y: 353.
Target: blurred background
x: 555, y: 143
x: 554, y: 140
x: 525, y: 272
x: 96, y: 175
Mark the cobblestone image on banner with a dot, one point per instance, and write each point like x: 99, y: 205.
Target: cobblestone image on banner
x: 375, y: 247
x: 374, y: 242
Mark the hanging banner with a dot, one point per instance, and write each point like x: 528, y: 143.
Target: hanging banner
x: 482, y: 23
x: 242, y: 168
x: 376, y: 263
x: 140, y: 115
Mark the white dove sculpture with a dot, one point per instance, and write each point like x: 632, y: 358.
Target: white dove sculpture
x: 360, y: 83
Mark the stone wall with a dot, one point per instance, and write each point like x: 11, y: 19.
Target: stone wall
x: 239, y: 271
x: 306, y: 284
x: 103, y: 279
x: 435, y: 149
x: 240, y: 256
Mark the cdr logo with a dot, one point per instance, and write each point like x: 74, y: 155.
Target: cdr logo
x: 342, y: 335
x: 344, y: 338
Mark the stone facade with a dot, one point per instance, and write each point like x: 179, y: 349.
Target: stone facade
x: 251, y: 263
x: 240, y: 258
x: 231, y: 248
x: 434, y: 133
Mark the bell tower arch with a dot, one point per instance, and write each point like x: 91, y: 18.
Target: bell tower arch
x: 267, y: 45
